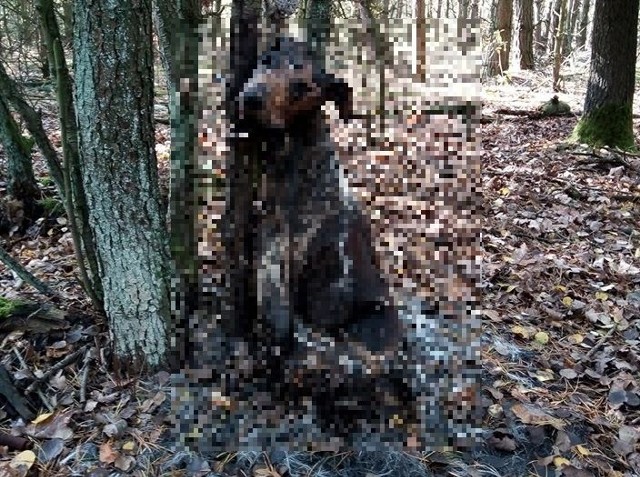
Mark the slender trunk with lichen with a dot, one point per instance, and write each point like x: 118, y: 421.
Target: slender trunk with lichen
x: 74, y: 197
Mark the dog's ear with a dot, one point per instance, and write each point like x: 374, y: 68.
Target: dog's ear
x: 337, y: 90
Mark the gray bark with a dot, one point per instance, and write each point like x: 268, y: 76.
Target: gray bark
x: 114, y: 98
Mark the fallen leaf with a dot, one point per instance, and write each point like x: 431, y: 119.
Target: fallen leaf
x: 560, y: 462
x: 530, y: 414
x: 568, y: 373
x: 107, y: 454
x: 541, y: 337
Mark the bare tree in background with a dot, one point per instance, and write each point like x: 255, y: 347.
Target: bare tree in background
x: 584, y: 23
x: 526, y: 35
x: 557, y: 51
x: 499, y: 61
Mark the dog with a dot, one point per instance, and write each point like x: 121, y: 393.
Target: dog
x: 314, y: 273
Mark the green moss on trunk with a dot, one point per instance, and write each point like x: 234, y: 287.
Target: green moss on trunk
x: 609, y: 125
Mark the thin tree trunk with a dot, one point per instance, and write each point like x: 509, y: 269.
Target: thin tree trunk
x: 557, y: 52
x: 554, y: 16
x: 540, y: 41
x: 568, y: 28
x: 526, y: 35
x: 584, y: 23
x: 33, y: 121
x: 21, y: 183
x: 179, y: 55
x: 75, y: 201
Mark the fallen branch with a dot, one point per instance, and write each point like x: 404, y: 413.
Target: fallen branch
x: 56, y: 367
x: 25, y: 275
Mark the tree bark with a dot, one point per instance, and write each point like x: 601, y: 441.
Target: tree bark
x: 238, y: 235
x: 33, y: 121
x: 584, y: 23
x: 557, y: 51
x: 526, y: 35
x: 554, y: 16
x: 500, y: 58
x: 114, y: 98
x: 74, y: 197
x: 538, y: 29
x: 21, y: 183
x: 179, y: 54
x: 607, y: 118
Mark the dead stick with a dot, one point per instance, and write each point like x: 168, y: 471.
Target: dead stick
x: 56, y: 367
x: 25, y: 275
x: 599, y: 344
x: 84, y: 373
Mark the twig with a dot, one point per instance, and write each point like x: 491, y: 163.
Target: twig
x: 25, y: 275
x: 56, y: 367
x: 599, y: 344
x: 83, y: 375
x: 45, y: 401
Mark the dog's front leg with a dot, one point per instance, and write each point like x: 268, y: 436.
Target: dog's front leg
x: 274, y: 307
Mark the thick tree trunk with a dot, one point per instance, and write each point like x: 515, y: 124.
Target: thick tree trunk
x: 526, y: 35
x: 114, y: 98
x: 608, y: 104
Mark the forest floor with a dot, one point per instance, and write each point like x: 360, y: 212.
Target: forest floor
x: 561, y: 331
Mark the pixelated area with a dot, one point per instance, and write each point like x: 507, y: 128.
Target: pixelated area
x: 339, y: 251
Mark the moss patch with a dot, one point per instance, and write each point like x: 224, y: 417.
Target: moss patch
x: 7, y: 307
x: 609, y: 125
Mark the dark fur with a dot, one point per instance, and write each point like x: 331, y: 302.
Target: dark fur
x: 313, y: 258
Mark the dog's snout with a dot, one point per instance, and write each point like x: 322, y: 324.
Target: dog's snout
x: 252, y: 102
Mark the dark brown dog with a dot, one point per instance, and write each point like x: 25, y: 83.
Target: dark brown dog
x: 315, y: 275
x: 314, y: 257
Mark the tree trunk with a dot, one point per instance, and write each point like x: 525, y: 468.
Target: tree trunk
x: 538, y: 29
x: 21, y: 183
x: 238, y: 228
x: 567, y: 30
x: 179, y: 55
x: 584, y: 23
x: 114, y: 98
x: 463, y: 8
x: 554, y: 16
x: 500, y: 58
x: 557, y: 51
x: 526, y: 35
x: 33, y: 121
x: 421, y: 39
x: 475, y: 9
x: 607, y: 118
x: 317, y: 24
x: 74, y: 197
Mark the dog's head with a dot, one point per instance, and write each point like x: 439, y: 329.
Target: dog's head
x: 287, y: 87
